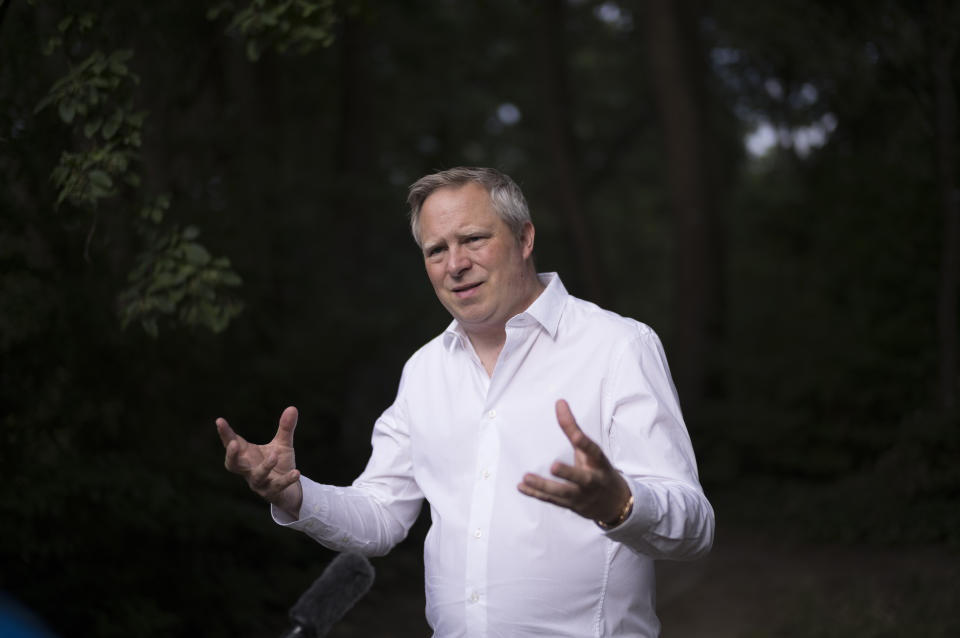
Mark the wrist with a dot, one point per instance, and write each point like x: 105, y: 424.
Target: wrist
x: 291, y: 500
x: 623, y: 515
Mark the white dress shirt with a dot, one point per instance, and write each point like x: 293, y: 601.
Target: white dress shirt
x: 499, y: 563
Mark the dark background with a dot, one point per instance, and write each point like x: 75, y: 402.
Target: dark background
x: 202, y: 214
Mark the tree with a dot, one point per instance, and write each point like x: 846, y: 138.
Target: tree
x: 670, y: 33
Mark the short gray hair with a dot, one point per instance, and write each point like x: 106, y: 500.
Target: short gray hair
x: 507, y: 198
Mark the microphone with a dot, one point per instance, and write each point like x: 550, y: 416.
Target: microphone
x: 344, y: 581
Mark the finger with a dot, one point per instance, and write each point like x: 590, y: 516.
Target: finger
x: 569, y: 424
x: 546, y: 497
x: 577, y: 438
x: 288, y: 423
x: 279, y: 485
x: 237, y: 458
x: 225, y: 431
x: 260, y: 474
x: 578, y: 475
x: 554, y: 491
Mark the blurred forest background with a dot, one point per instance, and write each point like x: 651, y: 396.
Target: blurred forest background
x: 202, y: 214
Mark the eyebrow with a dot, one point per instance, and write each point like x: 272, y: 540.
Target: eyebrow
x: 460, y: 235
x: 427, y: 247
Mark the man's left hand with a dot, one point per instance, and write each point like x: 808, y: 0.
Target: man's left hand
x: 592, y: 487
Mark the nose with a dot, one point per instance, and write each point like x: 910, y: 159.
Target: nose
x: 458, y: 262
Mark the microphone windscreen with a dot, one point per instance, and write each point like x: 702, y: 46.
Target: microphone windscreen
x: 345, y: 580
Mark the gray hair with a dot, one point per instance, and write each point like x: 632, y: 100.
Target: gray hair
x: 507, y: 198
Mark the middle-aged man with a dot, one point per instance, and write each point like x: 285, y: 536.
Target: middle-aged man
x: 544, y: 432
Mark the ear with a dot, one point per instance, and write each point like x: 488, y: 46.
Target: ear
x: 526, y: 239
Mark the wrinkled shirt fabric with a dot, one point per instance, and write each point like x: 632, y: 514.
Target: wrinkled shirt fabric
x: 499, y: 563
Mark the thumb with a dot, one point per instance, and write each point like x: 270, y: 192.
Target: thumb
x: 580, y: 441
x: 567, y: 423
x: 288, y: 423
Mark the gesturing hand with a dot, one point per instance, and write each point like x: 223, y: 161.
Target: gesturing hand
x: 592, y: 487
x: 270, y: 470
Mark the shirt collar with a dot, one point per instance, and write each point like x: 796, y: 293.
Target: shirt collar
x: 546, y: 310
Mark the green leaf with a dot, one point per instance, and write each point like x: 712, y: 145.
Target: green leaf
x: 136, y: 119
x: 253, y: 50
x: 150, y: 326
x: 230, y: 278
x: 184, y: 272
x: 51, y: 45
x: 44, y: 103
x: 168, y: 304
x: 161, y: 281
x: 90, y: 128
x: 99, y: 63
x: 93, y: 95
x: 191, y: 232
x: 112, y: 124
x: 64, y: 24
x: 67, y: 110
x: 195, y: 253
x: 101, y: 179
x: 96, y: 192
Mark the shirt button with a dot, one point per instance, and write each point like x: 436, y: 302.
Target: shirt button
x: 474, y: 597
x: 492, y: 414
x: 485, y: 474
x: 477, y: 534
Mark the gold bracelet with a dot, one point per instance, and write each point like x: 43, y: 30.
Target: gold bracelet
x: 623, y: 515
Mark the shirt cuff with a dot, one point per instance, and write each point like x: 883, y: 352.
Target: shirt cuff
x: 315, y: 519
x: 643, y: 515
x: 312, y: 507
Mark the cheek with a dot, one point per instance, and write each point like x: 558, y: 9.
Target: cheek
x: 435, y: 275
x: 488, y: 259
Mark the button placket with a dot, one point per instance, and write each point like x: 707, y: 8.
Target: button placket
x: 479, y: 520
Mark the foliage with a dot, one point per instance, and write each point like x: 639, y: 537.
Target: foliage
x: 175, y: 276
x: 96, y: 96
x: 287, y: 25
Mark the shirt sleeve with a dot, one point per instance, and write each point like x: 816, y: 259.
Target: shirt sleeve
x: 651, y: 447
x: 374, y: 513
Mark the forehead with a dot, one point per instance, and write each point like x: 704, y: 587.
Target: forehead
x: 452, y: 208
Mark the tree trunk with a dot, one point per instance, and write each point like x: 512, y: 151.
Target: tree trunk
x: 949, y: 195
x: 558, y: 134
x: 673, y: 53
x: 353, y: 150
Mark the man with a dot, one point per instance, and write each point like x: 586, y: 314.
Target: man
x: 543, y: 431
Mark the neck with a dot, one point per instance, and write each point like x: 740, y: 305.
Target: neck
x: 489, y: 351
x: 488, y: 342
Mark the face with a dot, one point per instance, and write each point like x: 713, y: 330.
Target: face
x: 481, y: 273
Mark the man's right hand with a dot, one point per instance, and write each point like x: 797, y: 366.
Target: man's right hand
x: 270, y: 470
